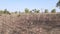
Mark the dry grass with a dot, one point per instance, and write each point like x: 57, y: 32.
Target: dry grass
x: 30, y: 24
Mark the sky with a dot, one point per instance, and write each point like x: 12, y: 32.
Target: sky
x: 20, y: 5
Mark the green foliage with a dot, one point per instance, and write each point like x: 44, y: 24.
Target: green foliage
x: 36, y: 11
x: 46, y: 10
x: 6, y: 12
x: 30, y: 11
x: 1, y: 12
x: 26, y: 10
x: 53, y: 11
x: 15, y: 12
x: 58, y: 4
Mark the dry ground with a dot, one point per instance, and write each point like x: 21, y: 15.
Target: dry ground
x: 30, y: 24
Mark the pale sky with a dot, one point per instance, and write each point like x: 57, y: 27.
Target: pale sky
x: 20, y: 5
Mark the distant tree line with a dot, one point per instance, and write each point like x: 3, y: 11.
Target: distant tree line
x: 5, y: 11
x: 38, y: 11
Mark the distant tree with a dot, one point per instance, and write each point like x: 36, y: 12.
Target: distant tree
x: 36, y: 11
x: 53, y: 11
x: 46, y: 10
x: 1, y: 11
x: 6, y: 11
x: 26, y: 10
x: 15, y: 12
x: 58, y: 4
x: 30, y: 11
